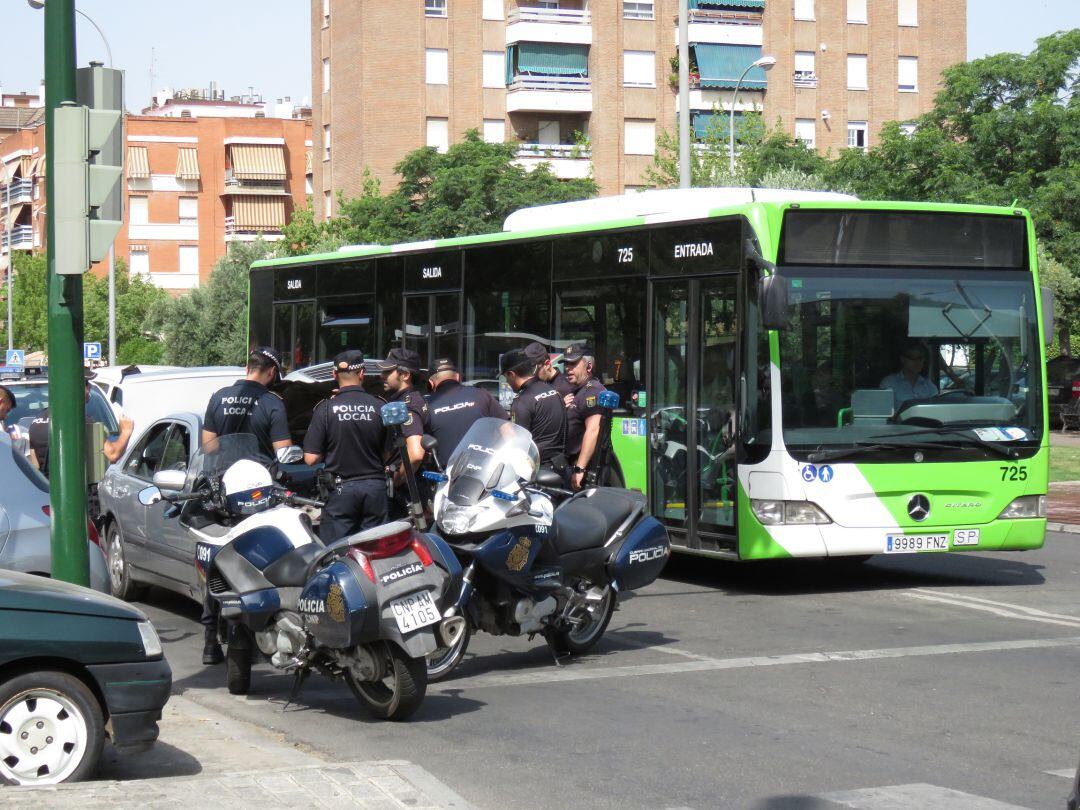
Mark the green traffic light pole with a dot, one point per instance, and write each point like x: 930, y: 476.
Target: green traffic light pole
x: 67, y: 463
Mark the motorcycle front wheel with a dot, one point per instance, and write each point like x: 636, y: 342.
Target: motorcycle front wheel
x: 445, y: 659
x: 580, y: 638
x: 399, y: 693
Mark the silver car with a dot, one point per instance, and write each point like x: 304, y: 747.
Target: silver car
x: 25, y: 520
x: 144, y: 544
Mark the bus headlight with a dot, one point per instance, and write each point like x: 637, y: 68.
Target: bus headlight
x: 791, y: 513
x: 1029, y: 506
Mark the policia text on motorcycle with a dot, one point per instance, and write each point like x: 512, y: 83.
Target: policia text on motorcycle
x: 453, y: 408
x: 400, y: 372
x: 582, y: 410
x: 348, y: 434
x: 538, y: 407
x: 248, y: 406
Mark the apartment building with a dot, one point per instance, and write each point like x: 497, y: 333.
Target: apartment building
x: 195, y: 184
x: 582, y: 84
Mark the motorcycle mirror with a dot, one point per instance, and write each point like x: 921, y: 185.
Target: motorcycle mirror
x: 290, y: 455
x: 169, y: 481
x: 428, y: 442
x: 608, y: 400
x: 394, y: 413
x: 149, y: 496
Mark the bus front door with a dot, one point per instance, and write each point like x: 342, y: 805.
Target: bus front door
x: 294, y: 333
x: 433, y: 326
x: 692, y: 481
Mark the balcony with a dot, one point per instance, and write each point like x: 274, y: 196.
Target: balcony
x: 245, y: 233
x: 272, y: 188
x: 723, y: 28
x: 568, y: 162
x: 22, y: 237
x: 549, y: 94
x: 17, y: 191
x: 565, y: 25
x: 806, y: 79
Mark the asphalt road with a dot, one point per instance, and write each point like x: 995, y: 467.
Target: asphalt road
x: 910, y: 681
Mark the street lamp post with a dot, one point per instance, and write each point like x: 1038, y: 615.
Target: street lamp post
x: 765, y: 63
x: 6, y: 176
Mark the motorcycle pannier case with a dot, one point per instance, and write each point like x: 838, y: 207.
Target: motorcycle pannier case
x: 640, y: 556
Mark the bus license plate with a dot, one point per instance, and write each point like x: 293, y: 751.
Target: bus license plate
x: 914, y: 543
x: 414, y: 611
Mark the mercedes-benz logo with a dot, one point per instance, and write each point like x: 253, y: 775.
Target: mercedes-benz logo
x: 919, y: 507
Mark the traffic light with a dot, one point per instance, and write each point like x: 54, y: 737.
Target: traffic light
x: 89, y: 165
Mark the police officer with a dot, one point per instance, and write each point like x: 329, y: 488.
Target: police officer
x: 454, y: 407
x: 400, y: 373
x: 7, y: 405
x: 248, y: 406
x: 582, y: 411
x: 347, y: 432
x: 537, y: 408
x: 547, y: 371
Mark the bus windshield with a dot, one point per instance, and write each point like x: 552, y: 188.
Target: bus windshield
x: 893, y: 360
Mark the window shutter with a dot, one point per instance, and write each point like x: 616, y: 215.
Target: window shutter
x: 639, y: 68
x: 640, y: 137
x: 856, y: 71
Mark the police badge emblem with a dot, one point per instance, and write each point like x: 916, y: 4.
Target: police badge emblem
x: 335, y: 603
x: 519, y: 554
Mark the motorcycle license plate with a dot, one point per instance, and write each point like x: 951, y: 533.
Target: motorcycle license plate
x: 414, y: 611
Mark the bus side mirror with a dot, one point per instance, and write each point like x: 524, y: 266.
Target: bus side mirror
x: 1048, y: 315
x: 773, y: 298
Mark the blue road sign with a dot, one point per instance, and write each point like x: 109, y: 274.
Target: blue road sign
x: 809, y: 473
x: 91, y: 351
x: 16, y: 357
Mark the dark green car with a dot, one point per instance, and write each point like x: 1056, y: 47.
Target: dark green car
x: 74, y: 665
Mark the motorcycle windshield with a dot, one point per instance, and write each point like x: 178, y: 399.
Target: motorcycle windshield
x: 212, y: 460
x: 493, y: 455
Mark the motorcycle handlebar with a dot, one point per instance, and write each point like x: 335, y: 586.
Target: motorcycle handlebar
x: 301, y: 501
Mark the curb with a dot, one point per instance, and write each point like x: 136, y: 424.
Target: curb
x: 1068, y: 528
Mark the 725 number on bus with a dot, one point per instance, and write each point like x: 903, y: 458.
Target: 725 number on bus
x: 1012, y: 472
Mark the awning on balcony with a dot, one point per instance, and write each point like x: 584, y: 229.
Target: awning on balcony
x: 546, y: 59
x: 722, y: 65
x: 16, y: 210
x: 187, y: 164
x: 717, y: 123
x: 307, y: 163
x: 755, y: 5
x: 258, y: 161
x: 258, y: 213
x: 138, y: 163
x: 26, y: 166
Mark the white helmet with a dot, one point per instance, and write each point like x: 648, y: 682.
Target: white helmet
x: 248, y: 487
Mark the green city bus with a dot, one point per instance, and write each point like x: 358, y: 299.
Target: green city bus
x: 802, y: 374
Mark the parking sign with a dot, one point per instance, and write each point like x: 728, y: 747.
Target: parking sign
x: 91, y: 351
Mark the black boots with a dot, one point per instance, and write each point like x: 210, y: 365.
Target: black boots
x: 211, y: 653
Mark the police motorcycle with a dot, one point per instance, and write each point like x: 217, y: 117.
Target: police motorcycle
x: 531, y: 566
x: 366, y: 609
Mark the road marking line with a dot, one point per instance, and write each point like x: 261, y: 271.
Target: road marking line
x: 1008, y: 605
x: 917, y: 796
x: 990, y: 608
x: 1068, y: 773
x: 578, y: 672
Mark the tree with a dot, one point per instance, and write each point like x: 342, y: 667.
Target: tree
x: 30, y: 303
x: 135, y: 298
x: 1066, y: 289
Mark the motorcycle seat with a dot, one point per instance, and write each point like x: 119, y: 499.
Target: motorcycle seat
x: 585, y: 523
x: 290, y: 569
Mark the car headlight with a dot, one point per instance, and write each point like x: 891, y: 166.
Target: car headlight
x: 150, y: 641
x: 1028, y: 506
x: 791, y: 513
x: 457, y: 519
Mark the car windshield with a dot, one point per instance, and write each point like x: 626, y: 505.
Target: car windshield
x: 216, y: 456
x: 494, y: 454
x: 903, y: 358
x: 32, y: 399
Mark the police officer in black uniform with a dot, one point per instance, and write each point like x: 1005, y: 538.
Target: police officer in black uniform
x: 453, y: 408
x: 538, y: 407
x: 546, y: 370
x: 248, y: 406
x: 583, y: 412
x: 347, y: 432
x: 400, y: 373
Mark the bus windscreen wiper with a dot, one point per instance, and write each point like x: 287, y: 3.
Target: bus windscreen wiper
x: 863, y: 448
x: 959, y: 433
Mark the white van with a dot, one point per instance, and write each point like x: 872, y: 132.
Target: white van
x: 147, y: 396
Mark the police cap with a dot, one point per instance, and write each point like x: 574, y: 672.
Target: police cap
x: 349, y: 361
x: 264, y: 353
x: 575, y: 351
x: 512, y: 359
x: 401, y: 358
x: 537, y: 352
x: 444, y: 364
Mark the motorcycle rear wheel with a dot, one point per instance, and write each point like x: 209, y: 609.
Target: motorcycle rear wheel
x: 397, y: 695
x: 238, y: 660
x: 446, y: 659
x: 581, y: 638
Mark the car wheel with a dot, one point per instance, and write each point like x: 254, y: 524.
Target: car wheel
x: 120, y: 581
x: 51, y: 729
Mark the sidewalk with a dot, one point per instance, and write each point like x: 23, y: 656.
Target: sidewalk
x: 206, y: 760
x: 1063, y: 498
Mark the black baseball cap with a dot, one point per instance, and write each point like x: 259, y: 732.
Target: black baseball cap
x: 401, y: 358
x: 444, y: 364
x: 512, y: 359
x: 537, y: 352
x: 270, y: 353
x: 349, y: 361
x: 575, y: 351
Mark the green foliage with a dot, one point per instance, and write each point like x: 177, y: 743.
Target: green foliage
x: 208, y: 326
x: 29, y: 305
x: 1066, y: 289
x: 135, y: 298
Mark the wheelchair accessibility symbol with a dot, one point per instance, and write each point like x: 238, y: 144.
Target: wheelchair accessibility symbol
x: 824, y: 473
x: 809, y: 473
